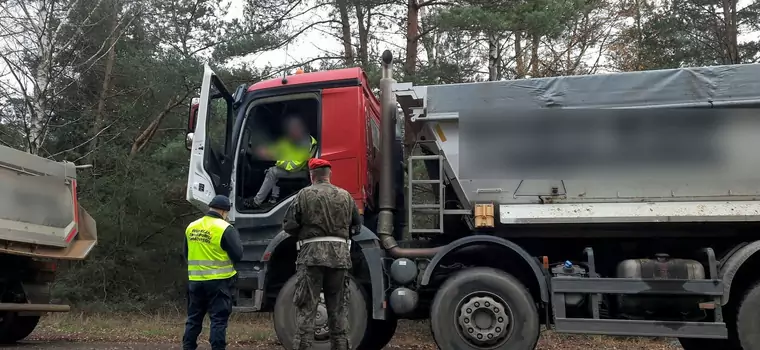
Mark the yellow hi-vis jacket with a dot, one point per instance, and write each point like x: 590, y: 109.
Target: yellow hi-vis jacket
x: 206, y: 260
x: 293, y: 157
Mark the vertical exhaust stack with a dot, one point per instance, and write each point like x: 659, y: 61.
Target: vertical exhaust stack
x: 387, y: 203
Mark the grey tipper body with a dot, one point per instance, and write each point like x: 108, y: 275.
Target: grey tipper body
x: 726, y: 189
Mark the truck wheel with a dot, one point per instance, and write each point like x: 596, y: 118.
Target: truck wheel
x: 14, y: 327
x: 484, y: 308
x: 748, y: 319
x: 379, y: 334
x: 285, y: 317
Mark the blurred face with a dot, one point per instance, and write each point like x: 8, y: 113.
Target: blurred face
x: 225, y: 215
x: 295, y: 129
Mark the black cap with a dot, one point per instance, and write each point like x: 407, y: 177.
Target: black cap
x: 220, y: 202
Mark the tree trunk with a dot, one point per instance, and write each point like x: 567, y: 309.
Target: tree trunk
x: 639, y: 38
x: 146, y: 135
x: 428, y: 43
x: 493, y: 57
x: 731, y: 41
x: 412, y: 37
x: 99, y: 113
x: 363, y: 33
x: 519, y: 56
x: 345, y: 24
x: 38, y: 101
x: 536, y: 40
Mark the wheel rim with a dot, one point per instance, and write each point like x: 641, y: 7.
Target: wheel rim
x: 321, y: 327
x: 484, y: 320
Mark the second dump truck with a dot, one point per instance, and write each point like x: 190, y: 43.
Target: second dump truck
x: 41, y: 224
x: 663, y: 243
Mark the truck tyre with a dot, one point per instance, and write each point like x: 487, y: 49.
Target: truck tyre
x: 748, y: 319
x: 285, y: 317
x: 379, y: 334
x: 14, y: 327
x: 484, y: 308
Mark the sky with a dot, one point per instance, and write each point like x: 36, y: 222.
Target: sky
x: 312, y: 43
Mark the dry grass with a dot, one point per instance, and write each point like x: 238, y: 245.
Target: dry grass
x: 255, y: 331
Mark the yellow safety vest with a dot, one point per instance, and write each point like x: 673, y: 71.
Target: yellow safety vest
x: 293, y: 157
x: 206, y: 260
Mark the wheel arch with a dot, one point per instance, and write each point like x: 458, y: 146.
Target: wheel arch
x: 738, y: 268
x: 282, y: 248
x: 514, y: 251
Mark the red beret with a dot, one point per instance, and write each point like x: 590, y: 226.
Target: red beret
x: 315, y: 163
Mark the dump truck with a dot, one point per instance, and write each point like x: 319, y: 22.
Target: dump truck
x: 614, y: 204
x: 41, y: 224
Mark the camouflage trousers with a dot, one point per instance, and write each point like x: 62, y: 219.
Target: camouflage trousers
x: 311, y: 281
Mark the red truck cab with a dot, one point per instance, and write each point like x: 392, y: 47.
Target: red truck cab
x: 224, y: 130
x: 343, y: 115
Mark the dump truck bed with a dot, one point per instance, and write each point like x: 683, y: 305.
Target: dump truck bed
x: 39, y: 212
x: 491, y: 136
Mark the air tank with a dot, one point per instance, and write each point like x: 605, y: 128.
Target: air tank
x: 403, y: 300
x: 403, y: 271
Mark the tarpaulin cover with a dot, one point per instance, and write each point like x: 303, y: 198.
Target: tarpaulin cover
x: 657, y: 88
x: 562, y: 127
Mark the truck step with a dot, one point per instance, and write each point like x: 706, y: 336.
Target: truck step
x: 425, y: 181
x: 426, y: 230
x: 426, y: 206
x: 244, y: 309
x: 430, y: 157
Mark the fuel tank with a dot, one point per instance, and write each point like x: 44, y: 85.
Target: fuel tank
x: 661, y: 267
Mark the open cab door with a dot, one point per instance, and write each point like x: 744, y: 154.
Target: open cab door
x: 209, y: 140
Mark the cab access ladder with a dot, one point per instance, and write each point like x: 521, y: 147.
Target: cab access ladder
x: 438, y: 208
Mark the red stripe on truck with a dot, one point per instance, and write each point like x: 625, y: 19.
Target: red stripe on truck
x: 75, y: 202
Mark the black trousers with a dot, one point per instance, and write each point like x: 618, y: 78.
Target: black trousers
x: 215, y: 299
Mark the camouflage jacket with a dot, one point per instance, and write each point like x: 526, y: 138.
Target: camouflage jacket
x: 322, y: 210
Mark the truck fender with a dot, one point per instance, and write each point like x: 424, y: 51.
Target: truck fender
x: 731, y: 266
x: 261, y: 280
x: 373, y: 255
x: 489, y: 240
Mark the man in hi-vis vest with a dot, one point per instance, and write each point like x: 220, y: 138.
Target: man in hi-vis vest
x: 291, y: 154
x: 212, y: 245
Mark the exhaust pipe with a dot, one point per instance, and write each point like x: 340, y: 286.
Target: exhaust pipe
x: 387, y: 203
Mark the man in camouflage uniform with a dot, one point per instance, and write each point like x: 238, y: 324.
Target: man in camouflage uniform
x: 321, y: 217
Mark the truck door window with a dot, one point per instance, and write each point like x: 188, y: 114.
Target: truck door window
x: 219, y: 125
x: 375, y: 133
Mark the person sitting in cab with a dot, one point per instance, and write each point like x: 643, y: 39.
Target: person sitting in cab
x: 292, y: 153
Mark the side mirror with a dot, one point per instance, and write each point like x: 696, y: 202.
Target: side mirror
x: 192, y: 119
x: 237, y: 97
x: 189, y: 141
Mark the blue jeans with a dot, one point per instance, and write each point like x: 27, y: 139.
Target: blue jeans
x: 215, y: 299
